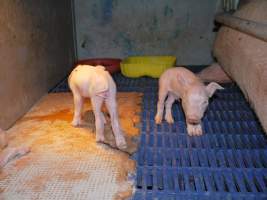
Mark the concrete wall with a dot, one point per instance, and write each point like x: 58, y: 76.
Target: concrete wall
x: 36, y: 52
x: 118, y: 28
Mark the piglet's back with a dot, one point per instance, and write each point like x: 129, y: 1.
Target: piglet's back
x: 83, y: 77
x: 180, y: 74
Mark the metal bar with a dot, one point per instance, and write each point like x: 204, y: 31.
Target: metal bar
x: 255, y: 29
x: 74, y: 33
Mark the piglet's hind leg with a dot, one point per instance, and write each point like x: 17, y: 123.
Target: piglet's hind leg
x: 99, y: 121
x: 160, y: 105
x: 168, y: 107
x: 78, y: 104
x: 119, y: 137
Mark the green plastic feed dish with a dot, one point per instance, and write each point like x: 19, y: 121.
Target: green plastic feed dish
x: 153, y: 66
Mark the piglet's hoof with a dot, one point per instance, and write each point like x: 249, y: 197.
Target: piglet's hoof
x: 100, y: 138
x: 121, y: 143
x: 76, y: 122
x: 169, y: 119
x: 158, y: 119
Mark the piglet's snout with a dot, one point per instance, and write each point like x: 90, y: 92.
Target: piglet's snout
x: 192, y: 119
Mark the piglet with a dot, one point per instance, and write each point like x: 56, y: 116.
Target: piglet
x: 87, y: 81
x: 9, y: 153
x: 180, y: 83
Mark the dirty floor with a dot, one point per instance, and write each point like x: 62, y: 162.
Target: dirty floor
x: 65, y: 162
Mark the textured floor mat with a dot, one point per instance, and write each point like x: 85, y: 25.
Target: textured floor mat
x: 65, y: 162
x: 228, y: 162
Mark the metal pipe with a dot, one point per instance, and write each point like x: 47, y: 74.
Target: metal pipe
x: 258, y: 30
x: 236, y: 4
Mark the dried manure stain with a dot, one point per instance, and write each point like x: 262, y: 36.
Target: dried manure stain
x: 64, y: 115
x: 60, y: 153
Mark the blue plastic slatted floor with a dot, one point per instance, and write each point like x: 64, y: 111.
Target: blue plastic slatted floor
x: 228, y: 162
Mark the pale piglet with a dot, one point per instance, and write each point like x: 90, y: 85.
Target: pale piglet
x: 9, y: 153
x: 180, y: 83
x: 87, y: 81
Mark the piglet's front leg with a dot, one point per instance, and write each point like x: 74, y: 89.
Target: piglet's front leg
x: 194, y: 129
x: 11, y: 153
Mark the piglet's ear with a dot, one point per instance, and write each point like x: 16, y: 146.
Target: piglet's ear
x: 212, y: 87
